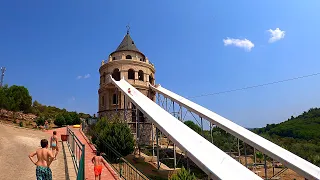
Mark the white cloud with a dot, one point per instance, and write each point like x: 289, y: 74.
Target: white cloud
x: 84, y: 77
x: 276, y: 35
x: 246, y: 44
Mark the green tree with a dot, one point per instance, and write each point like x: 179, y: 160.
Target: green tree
x: 60, y: 121
x: 15, y: 98
x: 193, y: 126
x: 116, y: 135
x: 3, y: 97
x: 68, y: 119
x: 40, y: 121
x: 299, y: 134
x: 183, y: 174
x: 75, y: 117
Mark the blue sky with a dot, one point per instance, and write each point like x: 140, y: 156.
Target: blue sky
x: 46, y: 45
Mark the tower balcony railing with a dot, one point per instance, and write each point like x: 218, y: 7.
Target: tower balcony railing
x: 125, y: 59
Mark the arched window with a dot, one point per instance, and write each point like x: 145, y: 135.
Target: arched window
x: 114, y: 99
x: 151, y: 80
x: 140, y: 75
x: 116, y: 74
x: 128, y: 57
x: 131, y: 74
x: 143, y: 59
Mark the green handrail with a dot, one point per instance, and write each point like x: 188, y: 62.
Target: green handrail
x: 77, y: 150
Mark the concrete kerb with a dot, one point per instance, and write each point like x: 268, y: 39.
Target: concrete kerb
x: 70, y: 168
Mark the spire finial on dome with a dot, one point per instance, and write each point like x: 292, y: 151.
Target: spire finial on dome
x: 128, y: 28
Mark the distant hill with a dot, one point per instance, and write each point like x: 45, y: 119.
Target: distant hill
x: 300, y: 135
x: 305, y: 126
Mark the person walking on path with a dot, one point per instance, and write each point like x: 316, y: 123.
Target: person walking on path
x: 98, y: 160
x: 54, y: 144
x: 46, y: 125
x: 45, y: 158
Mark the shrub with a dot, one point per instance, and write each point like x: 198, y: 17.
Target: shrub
x: 60, y: 121
x: 40, y: 121
x: 183, y: 174
x: 21, y: 124
x: 116, y: 135
x: 68, y: 119
x: 76, y: 120
x: 75, y: 117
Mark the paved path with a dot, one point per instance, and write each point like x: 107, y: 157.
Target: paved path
x: 107, y: 172
x: 15, y: 146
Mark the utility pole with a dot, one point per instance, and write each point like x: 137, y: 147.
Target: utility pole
x: 3, y: 69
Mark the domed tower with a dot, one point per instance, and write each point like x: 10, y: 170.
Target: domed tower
x: 129, y: 63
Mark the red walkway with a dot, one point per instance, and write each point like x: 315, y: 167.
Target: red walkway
x: 107, y: 172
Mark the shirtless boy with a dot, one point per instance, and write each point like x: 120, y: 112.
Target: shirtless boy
x: 45, y: 158
x: 54, y: 144
x: 98, y: 160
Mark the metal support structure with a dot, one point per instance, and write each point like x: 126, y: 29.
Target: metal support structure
x: 239, y: 154
x: 255, y: 157
x: 152, y: 134
x: 272, y: 167
x: 124, y: 108
x: 188, y: 165
x: 265, y: 167
x: 3, y: 69
x: 230, y: 148
x: 157, y: 139
x: 201, y: 126
x: 245, y: 154
x: 174, y: 157
x: 174, y: 145
x: 180, y: 113
x: 166, y: 99
x: 137, y: 130
x: 211, y: 135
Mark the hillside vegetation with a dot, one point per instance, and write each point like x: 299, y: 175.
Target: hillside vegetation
x: 300, y: 135
x: 17, y: 99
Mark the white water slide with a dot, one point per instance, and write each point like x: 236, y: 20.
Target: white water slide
x: 274, y: 151
x: 214, y: 162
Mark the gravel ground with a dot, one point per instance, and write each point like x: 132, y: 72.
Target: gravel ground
x: 15, y: 146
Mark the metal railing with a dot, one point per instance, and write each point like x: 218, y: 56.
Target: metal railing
x: 115, y: 159
x: 77, y: 150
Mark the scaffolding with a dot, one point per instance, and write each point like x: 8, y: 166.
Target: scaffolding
x: 183, y: 114
x: 3, y: 69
